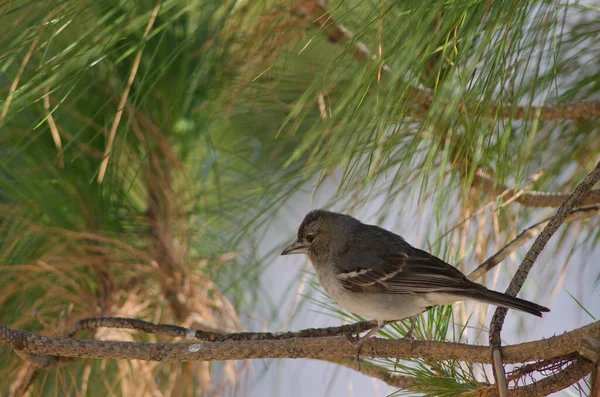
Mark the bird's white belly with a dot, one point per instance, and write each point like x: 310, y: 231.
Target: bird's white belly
x: 383, y: 307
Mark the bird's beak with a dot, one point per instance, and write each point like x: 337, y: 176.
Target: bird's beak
x: 297, y: 247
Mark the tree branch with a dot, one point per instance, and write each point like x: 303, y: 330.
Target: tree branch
x: 520, y: 276
x: 190, y: 333
x: 317, y: 12
x: 553, y: 383
x: 578, y: 110
x: 525, y: 236
x: 558, y: 381
x: 530, y: 198
x: 305, y: 347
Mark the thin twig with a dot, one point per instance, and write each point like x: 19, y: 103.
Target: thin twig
x: 530, y: 198
x: 516, y: 195
x: 27, y: 374
x: 499, y: 374
x: 553, y: 383
x: 507, y: 196
x: 525, y: 236
x: 15, y: 82
x: 119, y: 114
x: 190, y: 333
x: 517, y: 282
x: 34, y: 43
x: 541, y: 366
x: 53, y: 128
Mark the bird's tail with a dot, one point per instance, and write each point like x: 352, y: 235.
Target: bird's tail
x: 510, y: 302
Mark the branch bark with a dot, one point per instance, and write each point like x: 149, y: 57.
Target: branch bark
x: 553, y: 383
x: 306, y: 347
x: 190, y: 333
x: 530, y: 198
x: 521, y: 275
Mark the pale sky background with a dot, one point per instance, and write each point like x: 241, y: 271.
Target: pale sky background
x: 303, y: 377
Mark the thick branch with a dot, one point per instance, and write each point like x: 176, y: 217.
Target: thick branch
x: 316, y: 11
x: 389, y: 377
x: 525, y: 236
x: 319, y: 348
x: 517, y: 282
x: 558, y: 381
x: 553, y: 383
x: 530, y: 198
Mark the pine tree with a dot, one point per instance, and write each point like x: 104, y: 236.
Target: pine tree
x: 144, y: 142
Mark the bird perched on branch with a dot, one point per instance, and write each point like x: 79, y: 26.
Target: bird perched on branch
x: 376, y: 274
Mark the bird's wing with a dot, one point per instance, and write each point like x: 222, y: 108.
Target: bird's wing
x: 406, y: 270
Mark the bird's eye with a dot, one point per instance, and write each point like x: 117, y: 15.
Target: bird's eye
x: 310, y: 238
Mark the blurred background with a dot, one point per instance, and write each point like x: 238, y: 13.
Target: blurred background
x: 156, y: 156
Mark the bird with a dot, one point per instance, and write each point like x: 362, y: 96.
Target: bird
x: 377, y: 274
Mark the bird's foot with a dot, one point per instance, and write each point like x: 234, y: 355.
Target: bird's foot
x: 411, y: 329
x: 396, y: 363
x: 408, y: 337
x: 357, y: 342
x: 353, y: 339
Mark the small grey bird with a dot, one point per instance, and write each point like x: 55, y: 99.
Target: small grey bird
x: 376, y: 274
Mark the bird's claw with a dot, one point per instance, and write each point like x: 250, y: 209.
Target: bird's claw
x: 356, y: 341
x: 358, y: 344
x: 408, y: 338
x: 353, y: 339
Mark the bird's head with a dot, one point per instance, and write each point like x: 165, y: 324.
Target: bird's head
x: 322, y: 233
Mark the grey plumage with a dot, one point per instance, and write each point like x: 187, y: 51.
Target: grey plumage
x: 375, y: 273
